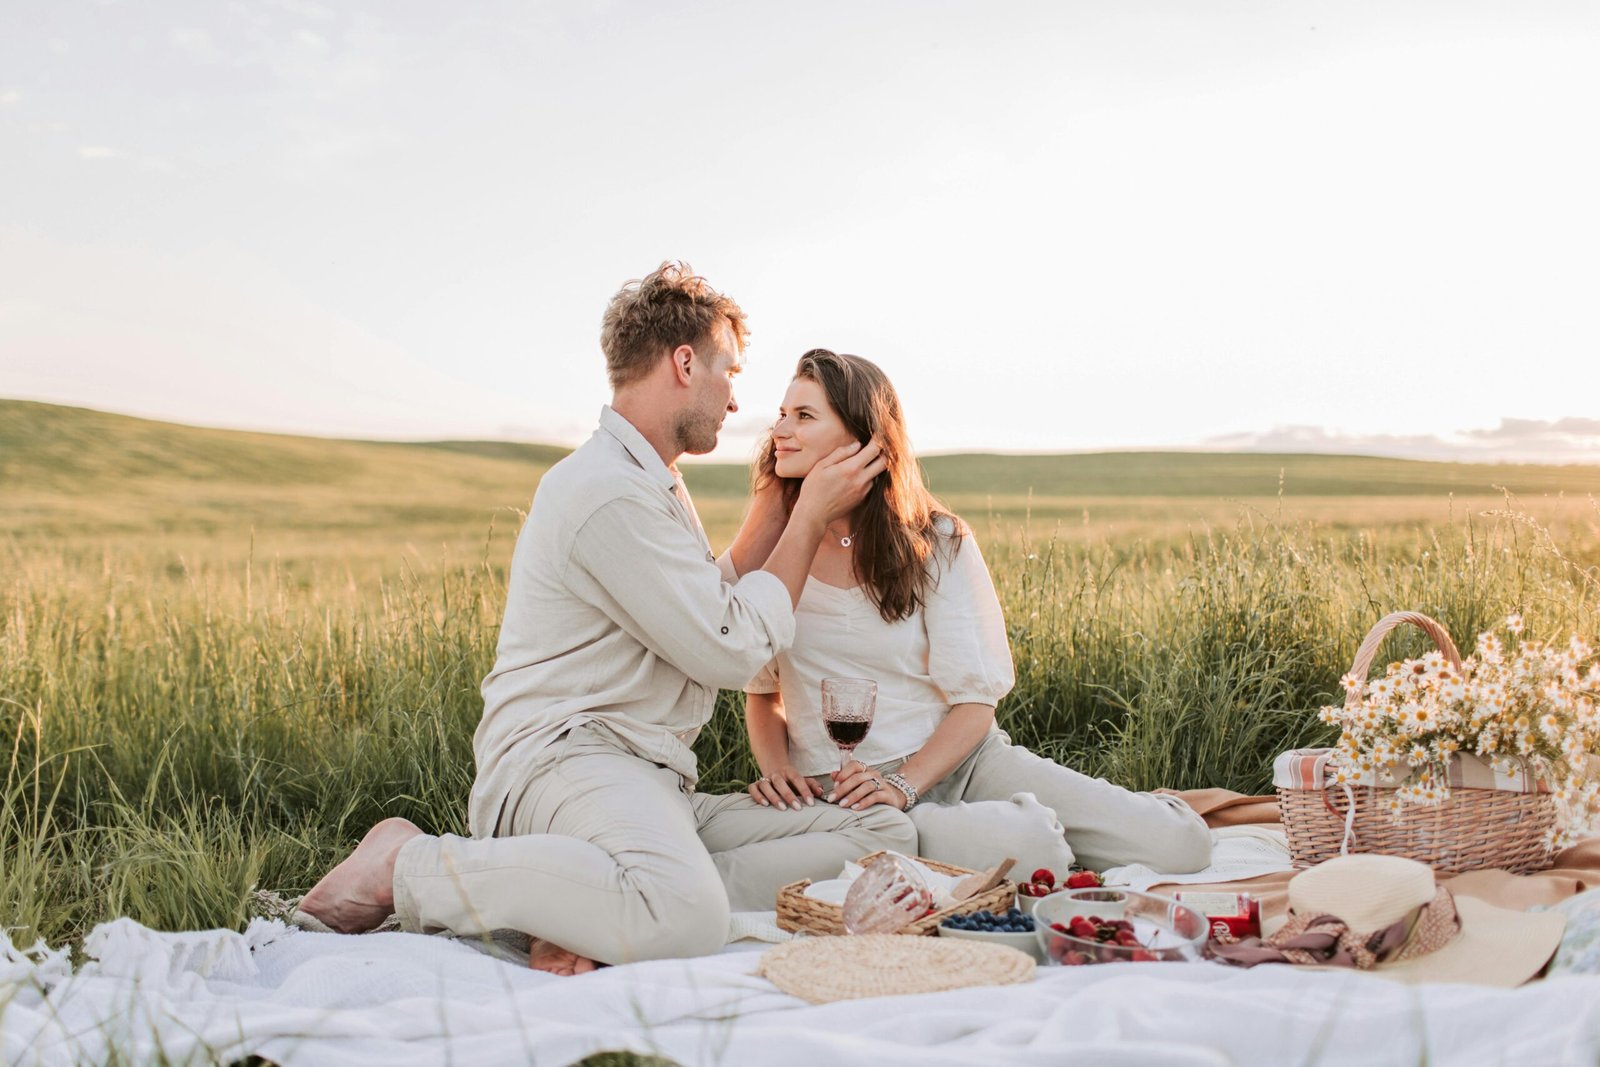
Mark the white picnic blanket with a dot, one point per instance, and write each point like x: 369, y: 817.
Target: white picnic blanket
x: 304, y: 1000
x: 1237, y: 853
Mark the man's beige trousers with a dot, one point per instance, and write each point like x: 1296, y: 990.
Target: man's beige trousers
x: 604, y: 855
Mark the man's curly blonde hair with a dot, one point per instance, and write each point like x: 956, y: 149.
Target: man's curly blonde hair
x: 650, y: 317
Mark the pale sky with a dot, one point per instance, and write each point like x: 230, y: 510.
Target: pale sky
x: 1057, y: 226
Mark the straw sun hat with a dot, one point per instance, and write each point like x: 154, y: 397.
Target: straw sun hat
x: 1386, y: 915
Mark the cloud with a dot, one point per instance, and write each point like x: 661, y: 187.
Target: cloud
x: 1522, y: 430
x: 91, y: 151
x: 305, y: 9
x: 1566, y: 440
x: 196, y: 43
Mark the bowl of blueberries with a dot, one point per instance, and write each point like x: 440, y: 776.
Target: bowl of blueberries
x: 1010, y: 928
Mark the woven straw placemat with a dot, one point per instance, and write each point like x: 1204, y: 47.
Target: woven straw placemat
x: 825, y: 969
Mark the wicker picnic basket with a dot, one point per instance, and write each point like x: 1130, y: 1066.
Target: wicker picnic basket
x: 797, y: 912
x: 1474, y: 829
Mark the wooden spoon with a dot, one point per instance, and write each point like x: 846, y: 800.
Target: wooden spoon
x: 978, y: 881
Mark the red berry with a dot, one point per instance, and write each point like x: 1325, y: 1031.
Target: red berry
x: 1075, y: 959
x: 1058, y: 928
x: 1084, y: 880
x: 1081, y: 927
x: 1142, y: 955
x: 1045, y: 875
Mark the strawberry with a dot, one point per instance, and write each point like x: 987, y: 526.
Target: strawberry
x: 1045, y: 875
x: 1084, y: 880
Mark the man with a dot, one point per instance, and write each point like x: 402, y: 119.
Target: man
x: 620, y: 626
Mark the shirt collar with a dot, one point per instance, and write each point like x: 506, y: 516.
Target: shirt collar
x: 642, y: 451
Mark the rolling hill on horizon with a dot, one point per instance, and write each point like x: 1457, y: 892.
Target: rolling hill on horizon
x: 56, y: 449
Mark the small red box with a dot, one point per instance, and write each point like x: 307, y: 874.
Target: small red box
x: 1237, y: 914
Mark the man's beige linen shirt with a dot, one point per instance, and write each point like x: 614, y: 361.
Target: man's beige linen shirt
x: 618, y: 614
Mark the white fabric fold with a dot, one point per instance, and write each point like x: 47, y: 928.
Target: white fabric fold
x: 1237, y: 852
x: 319, y: 1000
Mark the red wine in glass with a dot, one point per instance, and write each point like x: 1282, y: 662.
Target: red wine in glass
x: 847, y: 708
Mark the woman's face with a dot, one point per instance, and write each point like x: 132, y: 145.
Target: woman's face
x: 807, y: 429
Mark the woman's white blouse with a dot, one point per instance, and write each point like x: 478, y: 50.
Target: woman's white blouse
x: 951, y: 651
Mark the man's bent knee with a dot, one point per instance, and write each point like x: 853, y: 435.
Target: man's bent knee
x: 684, y: 917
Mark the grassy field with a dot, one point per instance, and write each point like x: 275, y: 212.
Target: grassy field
x: 224, y: 655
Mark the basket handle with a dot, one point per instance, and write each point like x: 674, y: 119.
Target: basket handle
x: 1369, y: 648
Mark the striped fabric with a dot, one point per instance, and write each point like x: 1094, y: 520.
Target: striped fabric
x: 1307, y: 768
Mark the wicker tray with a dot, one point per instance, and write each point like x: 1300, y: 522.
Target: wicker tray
x: 798, y: 912
x: 1474, y: 829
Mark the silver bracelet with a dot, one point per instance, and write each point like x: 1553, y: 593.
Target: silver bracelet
x: 900, y: 783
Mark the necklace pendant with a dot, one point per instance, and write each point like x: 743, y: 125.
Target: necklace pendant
x: 844, y: 542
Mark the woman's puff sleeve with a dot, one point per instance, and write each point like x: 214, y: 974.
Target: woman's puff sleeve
x: 969, y: 657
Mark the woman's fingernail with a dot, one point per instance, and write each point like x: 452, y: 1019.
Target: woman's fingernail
x: 829, y: 798
x: 811, y: 802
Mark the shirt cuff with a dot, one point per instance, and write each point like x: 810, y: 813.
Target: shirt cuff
x: 730, y: 574
x: 768, y: 597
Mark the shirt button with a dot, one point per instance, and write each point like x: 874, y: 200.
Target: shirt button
x: 724, y: 629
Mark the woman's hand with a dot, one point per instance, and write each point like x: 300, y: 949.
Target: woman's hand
x: 858, y: 786
x: 784, y: 788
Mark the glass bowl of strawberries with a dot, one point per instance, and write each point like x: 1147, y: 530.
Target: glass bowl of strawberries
x: 1043, y: 883
x: 1081, y: 926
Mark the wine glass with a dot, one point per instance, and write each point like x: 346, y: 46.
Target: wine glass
x: 847, y: 707
x: 889, y: 893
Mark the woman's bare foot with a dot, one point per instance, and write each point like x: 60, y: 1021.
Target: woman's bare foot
x: 552, y: 959
x: 358, y: 894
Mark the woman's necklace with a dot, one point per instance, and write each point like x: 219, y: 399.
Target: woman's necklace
x: 845, y: 540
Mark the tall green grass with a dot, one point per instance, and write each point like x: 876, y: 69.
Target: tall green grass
x: 180, y: 729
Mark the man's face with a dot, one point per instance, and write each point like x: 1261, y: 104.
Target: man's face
x: 712, y: 392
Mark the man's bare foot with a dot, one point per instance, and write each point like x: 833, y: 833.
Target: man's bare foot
x: 552, y: 959
x: 358, y: 894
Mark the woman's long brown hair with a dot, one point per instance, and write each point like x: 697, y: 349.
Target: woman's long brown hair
x: 897, y: 525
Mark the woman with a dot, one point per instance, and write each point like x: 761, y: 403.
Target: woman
x: 899, y: 593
